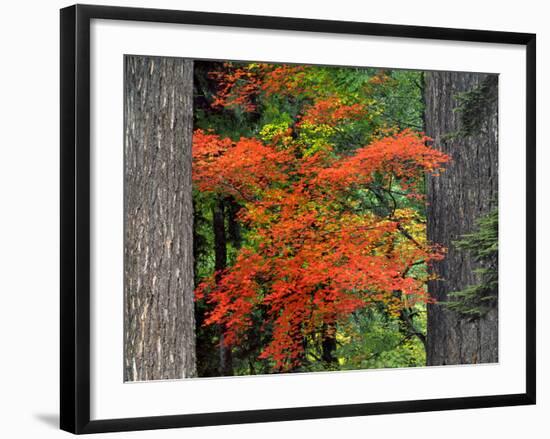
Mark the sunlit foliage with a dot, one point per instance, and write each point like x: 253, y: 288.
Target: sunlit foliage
x: 330, y: 189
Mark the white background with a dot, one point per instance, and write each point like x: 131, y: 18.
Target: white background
x: 30, y: 204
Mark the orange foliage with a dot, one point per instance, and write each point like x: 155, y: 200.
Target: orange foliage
x: 332, y: 111
x: 241, y: 169
x: 314, y: 257
x: 404, y: 156
x: 238, y: 86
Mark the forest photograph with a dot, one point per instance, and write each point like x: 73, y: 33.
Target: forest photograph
x: 296, y: 218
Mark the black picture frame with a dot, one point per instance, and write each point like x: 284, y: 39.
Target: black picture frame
x: 75, y: 217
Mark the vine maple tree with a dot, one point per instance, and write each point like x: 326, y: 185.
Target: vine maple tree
x: 327, y: 233
x: 315, y: 259
x: 239, y: 86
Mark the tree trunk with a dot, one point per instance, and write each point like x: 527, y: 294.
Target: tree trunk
x: 220, y: 263
x: 464, y: 192
x: 328, y: 345
x: 233, y: 225
x: 159, y: 332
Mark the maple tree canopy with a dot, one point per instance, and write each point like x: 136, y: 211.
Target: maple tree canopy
x: 315, y: 259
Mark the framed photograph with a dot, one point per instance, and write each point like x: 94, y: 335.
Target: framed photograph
x: 268, y: 218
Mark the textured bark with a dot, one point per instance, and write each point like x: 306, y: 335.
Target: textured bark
x: 159, y: 331
x: 464, y: 192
